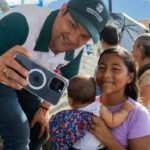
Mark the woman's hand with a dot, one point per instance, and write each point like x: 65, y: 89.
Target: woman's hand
x: 103, y: 133
x: 99, y: 129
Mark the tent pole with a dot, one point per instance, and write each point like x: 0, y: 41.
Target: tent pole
x: 110, y: 5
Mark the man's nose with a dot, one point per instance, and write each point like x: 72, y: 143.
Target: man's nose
x: 74, y: 38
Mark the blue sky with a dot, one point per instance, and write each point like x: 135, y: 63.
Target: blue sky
x: 136, y: 9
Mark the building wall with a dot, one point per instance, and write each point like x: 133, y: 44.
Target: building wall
x: 146, y: 23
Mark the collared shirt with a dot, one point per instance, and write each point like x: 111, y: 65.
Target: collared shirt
x: 30, y: 26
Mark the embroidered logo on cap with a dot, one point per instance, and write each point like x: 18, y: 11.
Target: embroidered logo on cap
x: 99, y: 7
x: 94, y: 13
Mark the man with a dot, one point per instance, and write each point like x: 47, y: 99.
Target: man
x: 109, y: 38
x: 141, y: 54
x: 52, y: 38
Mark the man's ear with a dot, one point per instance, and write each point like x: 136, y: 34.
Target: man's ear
x: 63, y: 9
x: 130, y: 77
x: 141, y: 51
x: 102, y: 43
x: 141, y: 47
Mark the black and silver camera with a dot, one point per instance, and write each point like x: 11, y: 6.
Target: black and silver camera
x: 42, y: 82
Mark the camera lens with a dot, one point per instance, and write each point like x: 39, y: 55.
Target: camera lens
x: 36, y: 79
x: 56, y: 85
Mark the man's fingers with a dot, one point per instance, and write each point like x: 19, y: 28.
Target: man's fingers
x: 15, y: 77
x: 47, y: 132
x: 4, y: 77
x: 18, y: 49
x: 32, y: 123
x: 12, y: 74
x: 12, y: 63
x: 8, y: 64
x: 11, y: 83
x: 11, y: 70
x: 41, y: 131
x: 17, y: 67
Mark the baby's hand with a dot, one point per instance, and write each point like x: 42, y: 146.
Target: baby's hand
x: 127, y: 106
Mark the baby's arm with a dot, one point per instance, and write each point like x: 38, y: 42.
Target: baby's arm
x: 113, y: 120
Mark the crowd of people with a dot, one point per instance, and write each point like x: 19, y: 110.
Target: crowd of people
x: 114, y: 116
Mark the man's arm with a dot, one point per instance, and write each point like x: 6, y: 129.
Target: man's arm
x: 14, y: 30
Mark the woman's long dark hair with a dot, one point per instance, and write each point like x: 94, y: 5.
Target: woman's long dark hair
x: 131, y: 89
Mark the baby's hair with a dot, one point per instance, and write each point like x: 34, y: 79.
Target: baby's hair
x: 82, y: 89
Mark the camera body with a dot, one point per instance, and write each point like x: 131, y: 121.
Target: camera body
x: 42, y: 82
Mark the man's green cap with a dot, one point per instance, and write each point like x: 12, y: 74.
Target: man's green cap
x: 91, y: 14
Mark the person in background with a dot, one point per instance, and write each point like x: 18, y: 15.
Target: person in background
x: 54, y: 39
x: 141, y: 54
x: 81, y: 97
x: 109, y: 38
x: 116, y: 78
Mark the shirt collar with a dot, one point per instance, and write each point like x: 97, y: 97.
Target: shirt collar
x: 42, y: 43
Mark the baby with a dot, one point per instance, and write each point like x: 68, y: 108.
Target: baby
x: 74, y: 123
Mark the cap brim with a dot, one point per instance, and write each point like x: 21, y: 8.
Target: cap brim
x: 87, y: 24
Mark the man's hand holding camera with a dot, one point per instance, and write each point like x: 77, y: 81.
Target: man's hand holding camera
x: 9, y: 66
x: 8, y: 73
x: 13, y: 74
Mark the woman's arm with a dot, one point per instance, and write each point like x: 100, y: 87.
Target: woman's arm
x: 100, y: 130
x: 145, y: 96
x: 142, y: 143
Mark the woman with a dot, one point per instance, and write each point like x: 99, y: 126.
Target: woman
x: 141, y: 54
x: 116, y: 77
